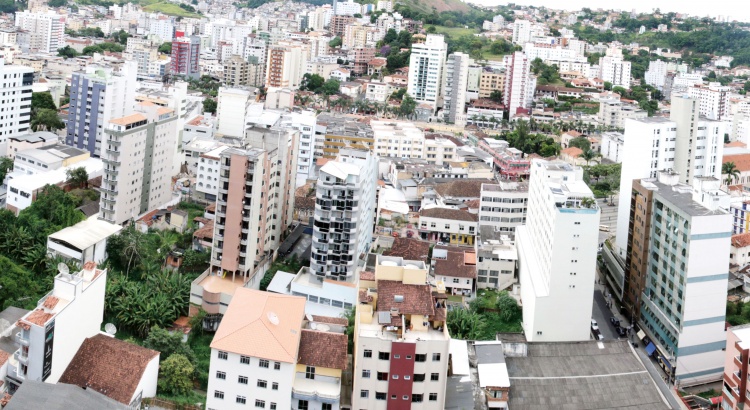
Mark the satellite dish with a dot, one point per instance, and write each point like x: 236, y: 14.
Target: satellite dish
x: 63, y: 268
x: 110, y: 329
x: 309, y: 317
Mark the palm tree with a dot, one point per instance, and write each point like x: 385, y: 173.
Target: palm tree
x: 589, y: 155
x: 732, y: 173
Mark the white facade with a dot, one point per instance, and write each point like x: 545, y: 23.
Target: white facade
x: 231, y: 110
x: 16, y: 82
x: 82, y: 242
x: 557, y: 254
x: 741, y: 128
x: 46, y: 30
x: 521, y: 32
x: 304, y: 122
x: 713, y: 100
x: 426, y: 66
x: 327, y: 298
x: 684, y: 80
x: 70, y: 313
x: 612, y: 146
x: 544, y: 52
x: 454, y: 88
x: 398, y: 139
x: 503, y: 206
x: 344, y: 209
x: 439, y: 150
x: 377, y: 91
x: 656, y: 74
x: 497, y: 258
x: 207, y: 173
x: 615, y: 70
x: 519, y: 84
x: 138, y: 157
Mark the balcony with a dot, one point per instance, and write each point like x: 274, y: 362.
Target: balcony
x: 323, y: 389
x: 20, y: 339
x: 21, y: 357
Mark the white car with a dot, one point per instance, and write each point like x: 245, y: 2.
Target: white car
x: 594, y: 325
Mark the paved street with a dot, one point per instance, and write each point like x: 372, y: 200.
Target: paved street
x: 608, y: 217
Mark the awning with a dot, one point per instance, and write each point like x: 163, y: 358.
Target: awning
x: 641, y: 335
x: 650, y: 349
x: 666, y: 362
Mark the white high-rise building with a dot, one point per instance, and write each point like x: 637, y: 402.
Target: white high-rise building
x: 521, y: 32
x: 547, y: 52
x: 454, y: 88
x: 398, y: 139
x: 426, y: 70
x: 713, y: 100
x: 46, y: 30
x: 345, y: 204
x: 304, y: 122
x: 557, y: 254
x: 615, y: 70
x: 97, y: 95
x: 232, y: 109
x: 656, y: 74
x: 16, y: 106
x: 519, y: 84
x: 686, y: 143
x: 138, y: 156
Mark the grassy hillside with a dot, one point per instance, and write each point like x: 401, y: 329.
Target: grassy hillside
x: 170, y: 9
x: 426, y: 6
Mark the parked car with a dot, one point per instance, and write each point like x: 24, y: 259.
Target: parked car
x: 594, y: 325
x: 621, y: 331
x: 614, y: 321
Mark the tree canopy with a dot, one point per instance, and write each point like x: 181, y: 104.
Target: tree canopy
x: 210, y: 105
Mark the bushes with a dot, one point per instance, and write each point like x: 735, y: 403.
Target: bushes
x: 490, y: 313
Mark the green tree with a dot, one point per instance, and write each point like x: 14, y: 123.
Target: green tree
x: 580, y: 142
x: 175, y: 375
x: 17, y: 285
x: 465, y: 324
x: 6, y: 164
x: 165, y: 48
x: 330, y: 87
x: 77, y: 177
x: 121, y: 37
x: 46, y: 120
x: 209, y: 105
x: 431, y: 30
x: 57, y: 3
x: 336, y: 42
x: 168, y: 343
x: 496, y: 96
x: 42, y: 100
x: 67, y: 52
x: 508, y: 308
x: 732, y: 173
x: 408, y: 106
x: 8, y: 6
x: 311, y: 82
x: 589, y: 155
x: 608, y: 86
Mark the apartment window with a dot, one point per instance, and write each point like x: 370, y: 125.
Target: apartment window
x: 219, y: 394
x: 420, y: 358
x: 326, y: 406
x: 245, y: 360
x: 382, y: 376
x: 274, y: 386
x: 243, y: 400
x: 417, y: 398
x: 395, y: 377
x: 223, y: 355
x: 310, y: 372
x: 364, y: 394
x: 263, y: 363
x: 368, y: 353
x: 384, y: 355
x: 221, y: 375
x: 407, y: 377
x: 381, y: 396
x: 366, y: 374
x: 436, y: 357
x: 455, y: 280
x: 433, y: 396
x: 272, y: 406
x: 419, y: 377
x: 242, y: 379
x: 261, y: 383
x: 258, y: 403
x: 277, y: 365
x: 434, y: 377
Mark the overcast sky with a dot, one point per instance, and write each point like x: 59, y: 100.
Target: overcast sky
x: 733, y: 8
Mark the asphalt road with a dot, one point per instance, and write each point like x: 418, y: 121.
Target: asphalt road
x: 601, y: 314
x: 608, y: 217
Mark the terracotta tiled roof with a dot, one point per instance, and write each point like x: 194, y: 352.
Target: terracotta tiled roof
x: 741, y: 240
x: 5, y: 399
x: 417, y: 298
x: 734, y: 144
x: 206, y: 232
x: 110, y: 366
x: 304, y: 202
x: 211, y: 207
x: 452, y: 214
x: 332, y: 320
x: 322, y: 349
x: 454, y: 266
x: 3, y: 357
x: 261, y: 324
x: 573, y: 152
x: 363, y: 296
x: 408, y: 248
x: 367, y: 275
x: 38, y: 317
x: 51, y: 302
x: 741, y: 161
x: 573, y: 133
x: 462, y: 189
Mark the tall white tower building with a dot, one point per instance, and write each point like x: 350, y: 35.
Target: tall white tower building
x: 344, y: 209
x: 46, y: 30
x: 521, y: 32
x: 713, y: 100
x: 426, y: 69
x: 519, y: 84
x: 557, y: 254
x: 656, y: 74
x: 454, y: 88
x: 16, y: 105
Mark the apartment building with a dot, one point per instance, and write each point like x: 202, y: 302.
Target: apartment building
x: 45, y: 29
x: 446, y: 225
x: 207, y: 173
x: 521, y: 32
x: 678, y: 260
x: 519, y: 84
x: 426, y: 66
x: 287, y: 61
x: 736, y: 359
x: 509, y: 162
x: 497, y: 259
x: 490, y: 81
x: 401, y: 339
x: 232, y: 107
x: 185, y: 56
x: 49, y: 336
x: 439, y: 150
x: 98, y: 94
x: 454, y: 268
x: 454, y: 88
x: 344, y: 209
x: 16, y: 83
x: 613, y: 69
x: 557, y: 254
x: 613, y: 113
x: 398, y: 139
x: 138, y: 153
x: 656, y: 75
x: 503, y: 206
x: 337, y: 132
x: 713, y: 100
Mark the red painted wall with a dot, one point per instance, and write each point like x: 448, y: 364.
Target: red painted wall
x: 401, y: 366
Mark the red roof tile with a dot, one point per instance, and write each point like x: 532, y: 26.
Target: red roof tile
x: 454, y: 266
x: 322, y: 349
x: 332, y: 320
x: 409, y: 249
x: 741, y: 240
x: 417, y: 298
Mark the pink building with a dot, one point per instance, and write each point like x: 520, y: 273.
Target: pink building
x: 735, y: 393
x: 511, y: 162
